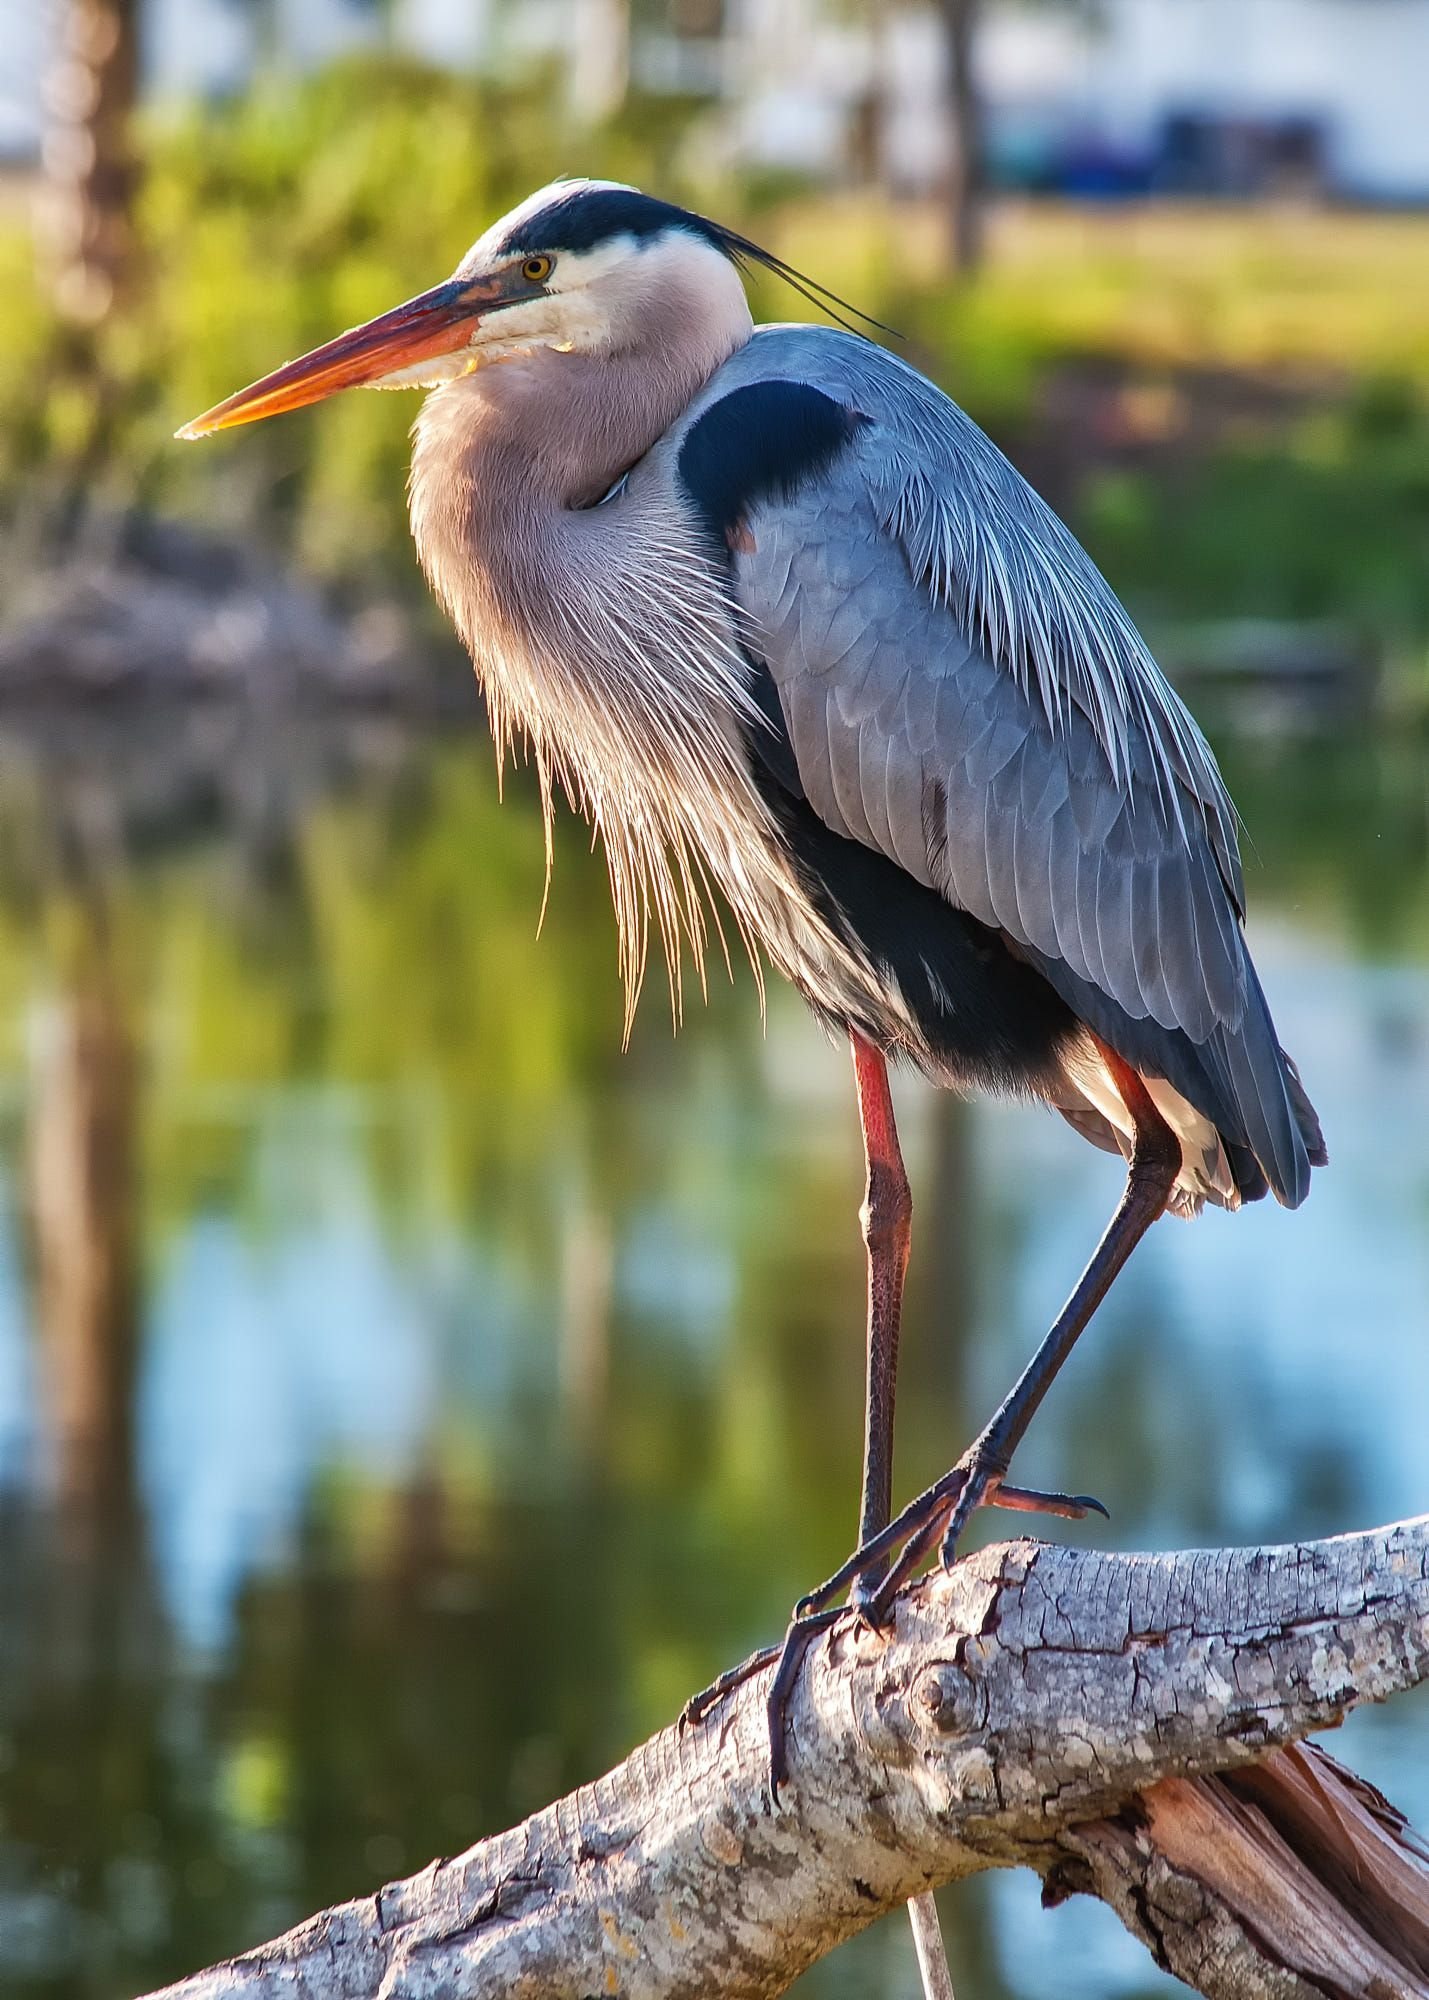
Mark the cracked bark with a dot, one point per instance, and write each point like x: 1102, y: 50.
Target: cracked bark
x: 1128, y: 1726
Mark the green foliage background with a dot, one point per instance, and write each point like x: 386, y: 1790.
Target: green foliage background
x: 267, y: 224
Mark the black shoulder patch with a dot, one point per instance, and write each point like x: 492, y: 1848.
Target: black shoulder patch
x: 587, y: 217
x: 764, y: 440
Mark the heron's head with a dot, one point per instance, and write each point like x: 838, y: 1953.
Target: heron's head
x: 582, y: 267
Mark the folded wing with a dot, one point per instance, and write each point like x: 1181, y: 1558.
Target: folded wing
x: 962, y: 692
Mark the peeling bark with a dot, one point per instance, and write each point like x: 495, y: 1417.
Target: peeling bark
x: 1122, y: 1724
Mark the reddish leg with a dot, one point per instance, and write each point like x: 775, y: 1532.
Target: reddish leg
x: 1151, y: 1176
x: 886, y: 1217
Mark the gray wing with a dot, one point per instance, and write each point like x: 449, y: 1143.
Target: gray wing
x: 963, y: 693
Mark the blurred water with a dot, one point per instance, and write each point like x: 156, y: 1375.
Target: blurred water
x: 488, y: 1390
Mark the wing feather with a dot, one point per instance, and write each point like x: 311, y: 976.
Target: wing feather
x: 846, y: 768
x: 1145, y: 933
x: 874, y: 761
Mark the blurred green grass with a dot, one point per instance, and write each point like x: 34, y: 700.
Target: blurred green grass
x: 268, y: 224
x: 1314, y: 293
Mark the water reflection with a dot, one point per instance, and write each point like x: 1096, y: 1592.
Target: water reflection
x: 405, y: 1399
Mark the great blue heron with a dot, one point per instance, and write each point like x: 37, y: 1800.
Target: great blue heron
x: 781, y: 619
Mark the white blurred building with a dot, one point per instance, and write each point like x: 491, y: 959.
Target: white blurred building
x: 833, y: 87
x: 1355, y: 70
x: 1348, y: 77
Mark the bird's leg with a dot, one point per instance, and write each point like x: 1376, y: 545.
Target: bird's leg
x: 699, y: 1705
x: 939, y: 1515
x: 885, y: 1219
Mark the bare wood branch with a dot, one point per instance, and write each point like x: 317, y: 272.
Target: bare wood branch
x: 1115, y: 1722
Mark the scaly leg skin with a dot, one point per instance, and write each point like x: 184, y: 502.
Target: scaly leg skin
x: 928, y: 1511
x: 885, y: 1220
x: 913, y: 1534
x: 699, y: 1705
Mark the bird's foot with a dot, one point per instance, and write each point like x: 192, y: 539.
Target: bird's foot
x: 875, y: 1573
x: 872, y: 1578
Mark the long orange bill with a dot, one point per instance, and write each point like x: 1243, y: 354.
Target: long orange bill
x: 434, y: 323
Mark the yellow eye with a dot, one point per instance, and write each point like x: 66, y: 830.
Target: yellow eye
x: 536, y: 270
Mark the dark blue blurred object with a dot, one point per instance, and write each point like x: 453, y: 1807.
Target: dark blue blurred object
x: 1192, y: 152
x: 1207, y: 153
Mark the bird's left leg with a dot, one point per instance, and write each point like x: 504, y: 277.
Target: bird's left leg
x: 939, y: 1516
x: 885, y: 1219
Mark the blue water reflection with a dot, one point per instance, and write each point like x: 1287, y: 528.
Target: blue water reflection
x: 265, y: 1364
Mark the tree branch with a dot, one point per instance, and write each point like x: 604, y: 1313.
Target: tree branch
x: 1115, y: 1722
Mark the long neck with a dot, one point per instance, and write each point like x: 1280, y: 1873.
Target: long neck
x: 605, y: 635
x: 503, y: 457
x: 509, y: 460
x: 602, y: 634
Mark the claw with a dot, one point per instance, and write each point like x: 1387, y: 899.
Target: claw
x: 936, y: 1518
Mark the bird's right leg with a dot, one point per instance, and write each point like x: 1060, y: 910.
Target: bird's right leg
x: 886, y: 1219
x: 939, y: 1515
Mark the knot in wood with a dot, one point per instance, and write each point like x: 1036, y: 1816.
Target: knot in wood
x: 944, y: 1698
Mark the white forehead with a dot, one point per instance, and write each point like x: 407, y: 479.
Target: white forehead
x: 489, y: 248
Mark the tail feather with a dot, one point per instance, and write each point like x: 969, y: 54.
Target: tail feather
x: 1241, y: 1079
x: 1278, y: 1120
x: 1246, y: 1172
x: 1306, y: 1116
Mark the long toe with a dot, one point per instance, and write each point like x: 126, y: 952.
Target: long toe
x: 699, y: 1705
x: 875, y: 1573
x: 985, y: 1485
x: 1028, y: 1500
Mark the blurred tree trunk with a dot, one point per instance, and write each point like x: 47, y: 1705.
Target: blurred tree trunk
x: 89, y: 96
x: 965, y: 177
x: 584, y: 1354
x: 81, y: 1162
